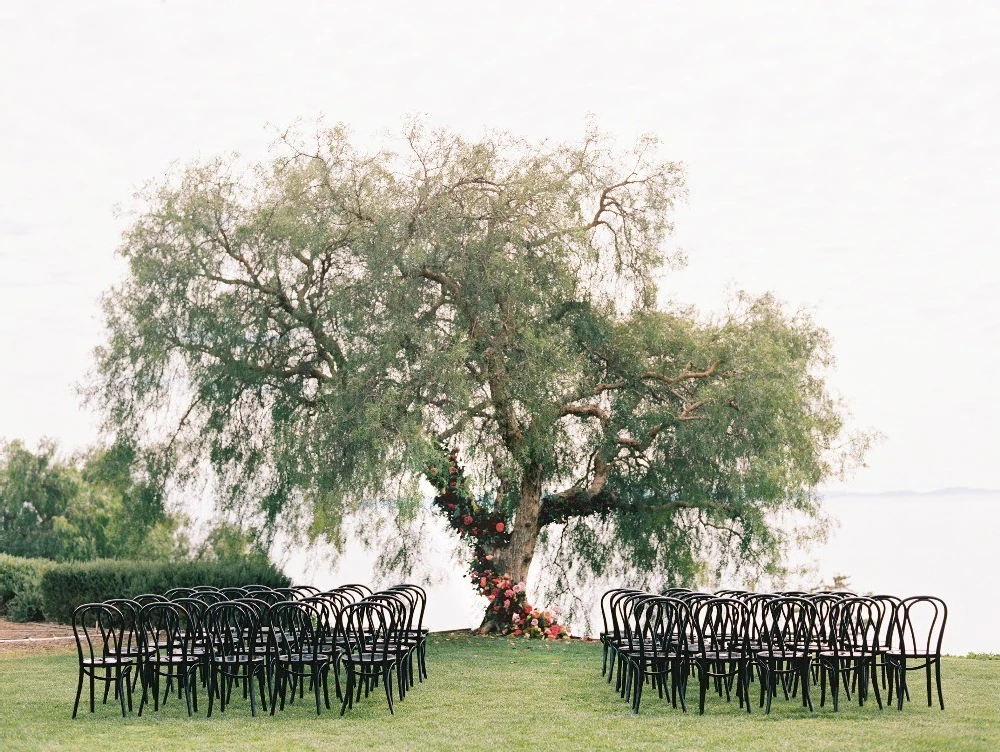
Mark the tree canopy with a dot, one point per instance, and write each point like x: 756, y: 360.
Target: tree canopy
x: 88, y: 507
x: 336, y: 324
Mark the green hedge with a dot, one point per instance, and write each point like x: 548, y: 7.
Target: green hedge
x: 21, y: 587
x: 66, y: 586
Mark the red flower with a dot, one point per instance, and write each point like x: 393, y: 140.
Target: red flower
x: 500, y: 527
x: 467, y: 519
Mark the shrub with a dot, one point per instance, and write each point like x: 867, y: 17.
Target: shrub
x: 20, y: 587
x: 66, y: 586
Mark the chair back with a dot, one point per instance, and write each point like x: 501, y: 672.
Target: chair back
x: 232, y: 631
x: 856, y: 625
x: 919, y: 625
x: 162, y: 629
x: 788, y: 627
x: 721, y: 625
x: 100, y: 631
x: 368, y: 628
x: 296, y: 629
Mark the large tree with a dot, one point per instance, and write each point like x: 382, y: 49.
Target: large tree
x: 91, y: 506
x: 336, y: 324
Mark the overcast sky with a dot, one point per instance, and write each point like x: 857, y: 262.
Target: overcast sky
x: 843, y: 155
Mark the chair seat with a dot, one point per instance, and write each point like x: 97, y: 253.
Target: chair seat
x: 109, y: 661
x: 303, y: 658
x: 783, y: 654
x: 721, y: 655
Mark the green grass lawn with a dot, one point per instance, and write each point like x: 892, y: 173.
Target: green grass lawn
x: 496, y: 694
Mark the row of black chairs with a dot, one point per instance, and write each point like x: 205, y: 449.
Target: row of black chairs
x: 783, y: 641
x: 271, y: 642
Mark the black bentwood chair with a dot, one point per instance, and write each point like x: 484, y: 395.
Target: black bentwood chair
x: 851, y: 651
x: 100, y: 631
x: 371, y: 649
x: 722, y: 648
x: 168, y: 651
x: 657, y: 651
x: 787, y: 629
x: 232, y: 632
x: 297, y: 651
x: 918, y: 624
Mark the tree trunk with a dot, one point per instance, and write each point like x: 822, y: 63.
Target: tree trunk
x: 515, y: 558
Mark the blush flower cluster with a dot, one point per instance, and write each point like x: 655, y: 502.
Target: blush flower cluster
x: 510, y: 608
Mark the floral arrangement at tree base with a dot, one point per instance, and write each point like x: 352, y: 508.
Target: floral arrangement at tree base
x: 511, y: 612
x: 486, y: 529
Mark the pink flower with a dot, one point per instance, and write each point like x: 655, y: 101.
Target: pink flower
x: 509, y: 593
x: 467, y: 519
x: 482, y: 582
x: 506, y: 603
x: 516, y: 618
x: 534, y: 622
x: 489, y: 557
x: 492, y: 598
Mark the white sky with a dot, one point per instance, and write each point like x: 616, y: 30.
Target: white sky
x: 843, y: 155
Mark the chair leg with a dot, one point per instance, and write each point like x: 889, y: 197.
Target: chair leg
x: 79, y: 691
x: 937, y: 672
x: 387, y: 680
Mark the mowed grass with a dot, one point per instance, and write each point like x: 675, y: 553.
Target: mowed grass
x: 497, y: 694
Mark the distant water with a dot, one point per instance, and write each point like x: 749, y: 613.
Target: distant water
x: 942, y: 544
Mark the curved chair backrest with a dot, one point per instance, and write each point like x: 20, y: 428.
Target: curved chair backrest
x: 757, y: 603
x: 296, y: 628
x: 856, y: 627
x: 233, y: 593
x: 145, y: 598
x: 178, y: 592
x: 362, y: 591
x: 100, y: 632
x: 788, y: 627
x: 412, y: 606
x: 205, y: 589
x: 208, y: 597
x: 267, y: 595
x: 631, y: 606
x: 616, y: 605
x: 305, y: 591
x: 920, y: 622
x: 889, y: 606
x: 658, y: 622
x: 721, y: 624
x: 421, y: 601
x: 261, y: 607
x: 401, y: 606
x: 162, y: 628
x: 232, y: 629
x: 194, y: 610
x: 369, y: 628
x: 824, y: 604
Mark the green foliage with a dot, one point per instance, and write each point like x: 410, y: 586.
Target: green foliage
x: 84, y: 508
x: 66, y: 586
x: 321, y: 325
x: 20, y: 587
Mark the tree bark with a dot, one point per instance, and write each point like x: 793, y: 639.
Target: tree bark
x: 515, y: 558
